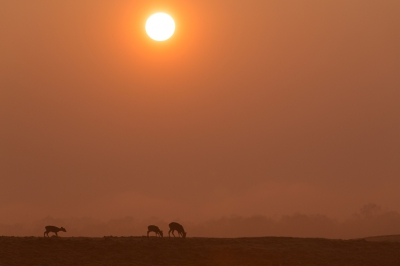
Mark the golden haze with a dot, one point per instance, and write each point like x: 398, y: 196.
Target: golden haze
x: 253, y: 107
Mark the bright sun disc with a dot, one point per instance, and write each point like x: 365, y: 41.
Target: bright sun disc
x: 160, y: 26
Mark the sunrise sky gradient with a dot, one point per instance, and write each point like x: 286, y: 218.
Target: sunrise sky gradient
x: 263, y: 107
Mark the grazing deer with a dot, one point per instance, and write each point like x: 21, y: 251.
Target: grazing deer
x: 175, y: 226
x: 153, y: 228
x: 53, y: 229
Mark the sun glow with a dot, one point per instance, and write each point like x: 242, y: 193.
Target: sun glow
x: 160, y: 26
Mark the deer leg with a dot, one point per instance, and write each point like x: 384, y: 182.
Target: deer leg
x: 169, y: 232
x: 148, y: 233
x: 56, y: 234
x: 44, y: 235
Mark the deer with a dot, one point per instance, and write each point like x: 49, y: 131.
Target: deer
x: 175, y: 226
x: 54, y: 229
x: 153, y: 228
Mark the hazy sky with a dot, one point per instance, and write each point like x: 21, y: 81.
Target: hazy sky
x: 253, y: 107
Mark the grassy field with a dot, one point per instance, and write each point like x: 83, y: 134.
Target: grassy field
x: 265, y: 251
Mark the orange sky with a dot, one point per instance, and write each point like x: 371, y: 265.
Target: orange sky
x: 253, y: 107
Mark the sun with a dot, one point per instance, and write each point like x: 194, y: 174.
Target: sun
x: 160, y: 26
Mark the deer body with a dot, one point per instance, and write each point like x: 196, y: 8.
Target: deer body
x: 176, y: 227
x: 155, y: 229
x: 53, y: 229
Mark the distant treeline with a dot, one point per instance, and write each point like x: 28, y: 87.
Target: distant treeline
x: 369, y: 221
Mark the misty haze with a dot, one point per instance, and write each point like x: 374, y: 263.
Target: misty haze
x: 256, y: 118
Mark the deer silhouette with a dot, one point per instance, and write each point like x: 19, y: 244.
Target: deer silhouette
x: 175, y: 226
x: 153, y: 228
x: 54, y: 229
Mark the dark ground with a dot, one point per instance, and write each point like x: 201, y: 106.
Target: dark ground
x: 265, y: 251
